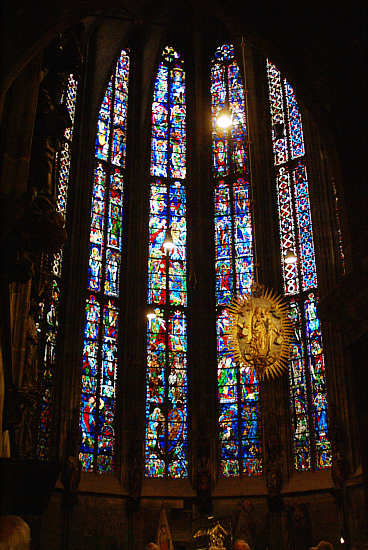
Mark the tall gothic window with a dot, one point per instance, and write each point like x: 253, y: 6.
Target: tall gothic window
x: 166, y: 379
x: 307, y: 378
x: 238, y: 389
x: 100, y: 348
x: 48, y: 315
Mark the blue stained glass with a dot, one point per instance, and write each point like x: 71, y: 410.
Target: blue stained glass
x: 118, y: 151
x: 169, y: 104
x: 161, y: 85
x: 157, y: 231
x: 303, y: 215
x: 224, y: 52
x: 308, y: 401
x: 218, y: 88
x: 224, y: 282
x: 160, y: 124
x: 222, y: 199
x: 112, y: 273
x: 118, y: 147
x: 318, y: 383
x: 100, y: 347
x: 177, y: 91
x: 239, y: 444
x: 295, y: 123
x: 177, y: 283
x: 177, y: 200
x: 223, y: 236
x: 166, y: 390
x: 103, y: 125
x: 237, y: 101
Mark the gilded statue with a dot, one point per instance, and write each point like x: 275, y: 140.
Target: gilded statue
x: 217, y: 537
x: 261, y: 331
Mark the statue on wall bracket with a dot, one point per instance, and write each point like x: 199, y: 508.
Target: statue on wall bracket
x: 261, y: 331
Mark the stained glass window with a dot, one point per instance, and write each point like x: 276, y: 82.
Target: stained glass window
x: 166, y: 382
x: 47, y: 321
x: 238, y: 388
x: 101, y: 326
x: 307, y: 377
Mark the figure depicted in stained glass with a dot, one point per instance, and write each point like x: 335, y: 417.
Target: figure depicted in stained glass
x: 166, y: 374
x: 101, y: 334
x: 234, y: 261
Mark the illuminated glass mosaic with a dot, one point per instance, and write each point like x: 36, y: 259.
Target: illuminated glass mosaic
x: 229, y: 150
x: 168, y: 146
x: 287, y: 230
x: 238, y: 389
x: 166, y: 379
x: 47, y: 319
x: 100, y: 347
x: 308, y: 395
x: 316, y: 366
x: 295, y: 123
x: 279, y: 140
x: 298, y: 390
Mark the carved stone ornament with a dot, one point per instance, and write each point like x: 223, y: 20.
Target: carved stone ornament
x: 261, y: 331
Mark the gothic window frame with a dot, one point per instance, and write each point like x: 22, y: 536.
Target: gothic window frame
x: 240, y: 455
x: 167, y: 372
x: 107, y: 195
x: 307, y: 371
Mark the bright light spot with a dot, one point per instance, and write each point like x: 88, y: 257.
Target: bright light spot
x: 290, y: 257
x: 168, y: 245
x: 342, y: 540
x: 151, y: 315
x: 224, y: 120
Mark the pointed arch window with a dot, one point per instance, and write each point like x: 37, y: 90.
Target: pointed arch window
x: 307, y: 376
x: 238, y: 388
x: 47, y: 322
x: 166, y: 378
x: 101, y: 328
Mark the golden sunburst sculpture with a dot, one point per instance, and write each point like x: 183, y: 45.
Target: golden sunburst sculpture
x: 261, y: 331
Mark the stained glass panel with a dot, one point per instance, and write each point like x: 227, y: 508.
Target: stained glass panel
x: 168, y: 145
x: 298, y: 389
x: 295, y: 123
x: 101, y: 344
x: 166, y: 379
x: 287, y: 231
x: 318, y: 382
x: 303, y: 216
x: 238, y: 395
x: 104, y: 124
x: 308, y: 396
